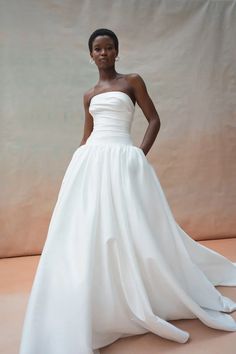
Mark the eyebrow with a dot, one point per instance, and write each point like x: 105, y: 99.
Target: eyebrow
x: 98, y: 45
x: 109, y: 43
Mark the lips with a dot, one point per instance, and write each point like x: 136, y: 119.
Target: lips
x: 103, y: 60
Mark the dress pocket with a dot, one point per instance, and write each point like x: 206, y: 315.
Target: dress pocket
x: 140, y: 150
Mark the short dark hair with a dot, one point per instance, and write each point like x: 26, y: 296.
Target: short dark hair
x: 103, y: 32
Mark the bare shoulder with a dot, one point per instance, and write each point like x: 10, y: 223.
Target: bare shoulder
x: 138, y: 86
x: 135, y: 79
x: 136, y: 82
x: 87, y: 96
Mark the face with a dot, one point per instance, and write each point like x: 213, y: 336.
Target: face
x: 103, y: 51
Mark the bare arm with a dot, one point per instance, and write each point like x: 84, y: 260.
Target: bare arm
x: 145, y: 103
x: 88, y: 123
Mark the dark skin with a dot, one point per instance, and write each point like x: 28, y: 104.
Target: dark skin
x: 104, y: 54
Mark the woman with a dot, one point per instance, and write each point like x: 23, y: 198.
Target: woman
x: 115, y: 263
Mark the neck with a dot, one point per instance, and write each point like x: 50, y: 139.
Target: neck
x: 107, y: 74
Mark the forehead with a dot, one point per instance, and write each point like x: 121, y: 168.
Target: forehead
x: 102, y: 40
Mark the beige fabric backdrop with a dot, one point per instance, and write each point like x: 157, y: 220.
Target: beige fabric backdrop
x: 184, y: 50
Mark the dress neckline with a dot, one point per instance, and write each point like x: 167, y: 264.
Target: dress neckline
x: 102, y: 93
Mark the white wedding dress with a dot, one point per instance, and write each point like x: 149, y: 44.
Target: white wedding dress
x: 115, y: 262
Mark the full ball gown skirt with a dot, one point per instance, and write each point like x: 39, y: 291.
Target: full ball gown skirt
x: 115, y: 262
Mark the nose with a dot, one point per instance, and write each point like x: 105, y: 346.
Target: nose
x: 103, y: 51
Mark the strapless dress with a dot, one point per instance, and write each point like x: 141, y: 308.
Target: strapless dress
x: 115, y: 262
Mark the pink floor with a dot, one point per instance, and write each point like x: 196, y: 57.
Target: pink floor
x: 16, y: 276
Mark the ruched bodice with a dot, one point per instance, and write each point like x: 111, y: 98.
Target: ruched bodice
x: 113, y: 113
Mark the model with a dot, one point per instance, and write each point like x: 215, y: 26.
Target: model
x: 115, y: 262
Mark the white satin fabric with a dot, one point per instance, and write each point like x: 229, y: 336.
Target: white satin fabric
x: 115, y: 262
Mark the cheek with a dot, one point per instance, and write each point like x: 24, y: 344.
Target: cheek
x: 112, y: 55
x: 95, y: 53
